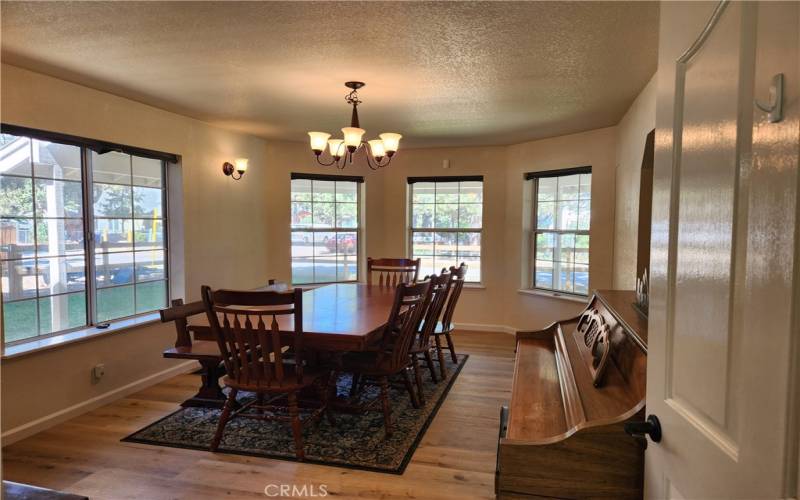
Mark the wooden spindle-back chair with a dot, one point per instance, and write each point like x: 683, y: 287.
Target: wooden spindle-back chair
x: 445, y: 327
x: 392, y: 272
x: 440, y: 290
x: 245, y: 324
x: 392, y: 356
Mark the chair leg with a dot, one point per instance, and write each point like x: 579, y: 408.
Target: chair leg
x: 387, y: 410
x: 354, y: 384
x: 418, y: 377
x: 429, y: 362
x: 326, y: 389
x: 410, y: 388
x: 451, y: 347
x: 440, y: 353
x: 223, y: 419
x: 297, y: 426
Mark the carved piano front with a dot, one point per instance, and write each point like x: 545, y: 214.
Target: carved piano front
x: 576, y: 383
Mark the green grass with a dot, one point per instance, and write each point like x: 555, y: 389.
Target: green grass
x: 20, y: 321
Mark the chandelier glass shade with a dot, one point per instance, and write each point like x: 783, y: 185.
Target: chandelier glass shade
x: 379, y: 152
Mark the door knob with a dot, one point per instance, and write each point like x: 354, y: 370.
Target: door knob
x: 650, y: 427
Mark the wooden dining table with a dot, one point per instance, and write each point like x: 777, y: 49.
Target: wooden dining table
x: 339, y: 317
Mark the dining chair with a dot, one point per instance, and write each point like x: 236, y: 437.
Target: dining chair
x: 246, y: 328
x: 440, y: 289
x: 392, y: 272
x: 392, y: 355
x: 444, y: 328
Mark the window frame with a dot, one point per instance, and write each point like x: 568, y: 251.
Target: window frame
x: 87, y: 146
x: 410, y: 216
x: 359, y: 181
x: 535, y: 177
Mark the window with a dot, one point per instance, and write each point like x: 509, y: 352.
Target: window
x: 326, y: 228
x: 446, y: 223
x: 560, y: 235
x: 82, y: 234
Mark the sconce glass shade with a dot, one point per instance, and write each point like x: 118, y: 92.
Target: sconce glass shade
x: 318, y: 141
x: 240, y: 164
x: 352, y: 137
x: 391, y: 141
x: 376, y: 146
x: 336, y: 147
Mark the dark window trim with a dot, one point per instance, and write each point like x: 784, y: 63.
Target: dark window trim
x: 98, y: 146
x: 328, y: 177
x: 442, y: 178
x: 558, y: 173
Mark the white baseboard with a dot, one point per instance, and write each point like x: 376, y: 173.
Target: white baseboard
x: 478, y: 327
x: 25, y: 430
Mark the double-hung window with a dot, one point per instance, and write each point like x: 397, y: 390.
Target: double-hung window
x: 326, y: 228
x: 560, y: 229
x: 446, y: 223
x: 82, y: 233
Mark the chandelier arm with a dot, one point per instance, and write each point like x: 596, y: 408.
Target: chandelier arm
x: 325, y: 164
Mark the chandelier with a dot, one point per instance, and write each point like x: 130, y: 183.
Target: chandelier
x: 379, y: 152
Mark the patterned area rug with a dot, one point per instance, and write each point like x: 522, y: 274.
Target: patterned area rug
x: 356, y: 441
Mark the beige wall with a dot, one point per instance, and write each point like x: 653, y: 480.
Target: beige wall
x: 224, y: 239
x: 237, y: 233
x: 596, y: 149
x: 631, y: 134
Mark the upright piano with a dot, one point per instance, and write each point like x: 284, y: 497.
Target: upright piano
x: 576, y: 383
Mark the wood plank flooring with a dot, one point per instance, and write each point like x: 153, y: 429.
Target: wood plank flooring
x: 455, y: 459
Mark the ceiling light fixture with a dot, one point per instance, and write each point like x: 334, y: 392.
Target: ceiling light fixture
x: 342, y: 150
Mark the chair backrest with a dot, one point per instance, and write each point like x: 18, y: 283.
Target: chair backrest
x: 459, y: 274
x: 407, y: 309
x: 251, y: 350
x: 440, y: 290
x: 392, y: 272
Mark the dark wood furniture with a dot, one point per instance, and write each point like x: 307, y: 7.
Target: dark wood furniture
x: 338, y: 317
x: 254, y: 349
x: 440, y: 290
x: 19, y: 491
x: 205, y: 352
x: 576, y: 383
x: 392, y: 272
x: 445, y: 327
x: 392, y: 355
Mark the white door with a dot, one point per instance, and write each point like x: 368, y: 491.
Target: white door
x: 725, y: 280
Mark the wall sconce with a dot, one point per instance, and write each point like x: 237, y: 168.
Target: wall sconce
x: 239, y: 165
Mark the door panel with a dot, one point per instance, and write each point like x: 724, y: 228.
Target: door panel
x: 706, y: 180
x: 723, y: 254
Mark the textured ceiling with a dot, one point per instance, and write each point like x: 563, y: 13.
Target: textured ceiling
x: 440, y: 73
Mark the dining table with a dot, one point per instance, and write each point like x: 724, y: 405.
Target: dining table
x: 337, y: 317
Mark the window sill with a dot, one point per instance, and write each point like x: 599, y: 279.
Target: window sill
x: 37, y: 345
x: 474, y: 286
x: 555, y: 295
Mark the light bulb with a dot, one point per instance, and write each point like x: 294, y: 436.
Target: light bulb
x: 377, y: 148
x: 391, y: 142
x: 318, y: 141
x: 240, y: 164
x: 336, y: 147
x: 352, y: 137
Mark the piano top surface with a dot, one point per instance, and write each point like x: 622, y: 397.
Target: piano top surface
x: 547, y: 407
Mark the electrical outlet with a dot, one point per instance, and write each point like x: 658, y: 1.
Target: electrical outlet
x: 99, y: 371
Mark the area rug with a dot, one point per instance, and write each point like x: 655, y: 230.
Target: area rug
x: 355, y: 441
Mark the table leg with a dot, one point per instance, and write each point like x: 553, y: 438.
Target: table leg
x: 210, y: 394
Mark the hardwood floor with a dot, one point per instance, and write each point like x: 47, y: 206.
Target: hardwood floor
x: 455, y: 459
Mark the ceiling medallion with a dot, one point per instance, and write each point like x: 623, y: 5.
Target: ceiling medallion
x: 342, y: 150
